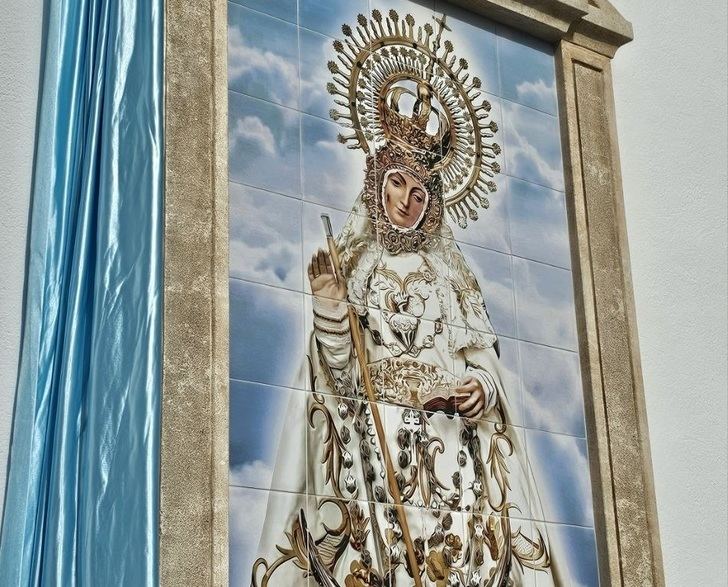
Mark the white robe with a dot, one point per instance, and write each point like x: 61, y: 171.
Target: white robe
x: 466, y: 484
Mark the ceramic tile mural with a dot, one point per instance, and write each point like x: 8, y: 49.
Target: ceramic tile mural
x: 469, y: 381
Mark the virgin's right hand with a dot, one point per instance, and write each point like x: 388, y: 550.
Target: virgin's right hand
x: 322, y: 279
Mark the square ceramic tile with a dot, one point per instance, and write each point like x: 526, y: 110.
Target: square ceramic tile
x: 329, y: 340
x: 531, y: 551
x: 561, y: 490
x: 425, y: 450
x: 510, y: 375
x: 264, y: 145
x: 532, y: 146
x: 485, y: 535
x: 527, y: 70
x: 344, y: 449
x: 333, y: 175
x: 359, y: 295
x: 443, y: 540
x: 502, y: 454
x: 410, y: 364
x: 373, y: 546
x: 406, y: 212
x: 265, y: 237
x: 502, y: 363
x: 284, y: 9
x: 464, y: 549
x: 328, y: 16
x: 575, y: 551
x: 475, y: 40
x: 476, y: 357
x: 266, y: 334
x: 552, y: 390
x: 262, y: 56
x: 423, y: 11
x: 544, y: 304
x: 538, y: 224
x: 267, y: 437
x: 492, y: 271
x: 258, y: 522
x: 491, y: 229
x: 411, y: 286
x: 320, y: 65
x: 314, y: 236
x: 325, y: 65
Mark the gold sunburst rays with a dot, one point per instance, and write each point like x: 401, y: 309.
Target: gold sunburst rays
x: 374, y: 59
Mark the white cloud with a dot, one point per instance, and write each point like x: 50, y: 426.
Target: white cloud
x: 341, y: 163
x: 562, y: 477
x: 265, y: 237
x: 333, y: 174
x: 273, y: 264
x: 554, y: 415
x: 533, y: 148
x: 544, y: 304
x: 314, y: 97
x: 537, y: 92
x: 253, y: 129
x: 538, y: 226
x: 247, y: 516
x: 279, y: 72
x: 474, y: 40
x: 520, y: 147
x: 553, y: 388
x: 251, y: 474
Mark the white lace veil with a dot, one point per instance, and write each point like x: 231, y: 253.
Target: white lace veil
x: 360, y: 250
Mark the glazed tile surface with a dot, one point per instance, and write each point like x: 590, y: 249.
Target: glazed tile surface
x: 304, y: 450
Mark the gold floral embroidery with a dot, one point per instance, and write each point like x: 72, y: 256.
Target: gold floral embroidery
x: 403, y: 302
x: 409, y: 382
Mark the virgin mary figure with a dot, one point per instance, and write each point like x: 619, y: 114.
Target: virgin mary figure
x: 411, y: 473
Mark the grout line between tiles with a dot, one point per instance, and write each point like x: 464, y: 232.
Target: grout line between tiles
x: 306, y: 293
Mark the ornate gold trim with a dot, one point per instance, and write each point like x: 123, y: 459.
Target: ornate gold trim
x: 379, y: 52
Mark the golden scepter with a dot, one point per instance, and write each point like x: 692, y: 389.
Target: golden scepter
x: 358, y: 342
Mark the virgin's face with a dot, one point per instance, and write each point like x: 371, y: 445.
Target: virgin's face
x: 404, y: 199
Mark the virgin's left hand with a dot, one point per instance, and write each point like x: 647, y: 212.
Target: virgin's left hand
x: 471, y: 388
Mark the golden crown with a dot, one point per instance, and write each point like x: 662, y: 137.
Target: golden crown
x: 395, y: 82
x: 411, y: 130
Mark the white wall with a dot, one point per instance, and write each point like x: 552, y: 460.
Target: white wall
x: 21, y: 26
x: 670, y: 87
x: 671, y: 106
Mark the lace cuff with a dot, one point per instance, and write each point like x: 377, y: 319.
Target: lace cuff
x: 330, y: 316
x: 489, y: 386
x: 331, y: 328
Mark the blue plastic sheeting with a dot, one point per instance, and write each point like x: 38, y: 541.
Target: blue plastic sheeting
x: 82, y: 498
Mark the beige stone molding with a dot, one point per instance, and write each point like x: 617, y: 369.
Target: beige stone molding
x: 193, y: 531
x: 595, y: 24
x: 621, y: 467
x: 194, y: 460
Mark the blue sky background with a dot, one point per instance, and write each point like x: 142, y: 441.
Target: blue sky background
x: 286, y: 168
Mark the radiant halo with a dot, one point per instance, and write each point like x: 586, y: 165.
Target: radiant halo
x: 395, y: 81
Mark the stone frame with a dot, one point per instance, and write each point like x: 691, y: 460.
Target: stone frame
x: 194, y: 444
